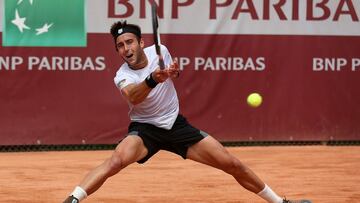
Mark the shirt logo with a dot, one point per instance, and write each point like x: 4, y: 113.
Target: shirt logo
x: 44, y: 23
x: 121, y: 84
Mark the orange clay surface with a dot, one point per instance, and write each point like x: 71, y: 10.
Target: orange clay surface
x: 320, y: 173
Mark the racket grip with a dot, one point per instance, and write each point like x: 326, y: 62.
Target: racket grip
x: 161, y: 64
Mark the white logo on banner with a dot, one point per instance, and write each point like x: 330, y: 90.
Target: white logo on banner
x: 19, y: 22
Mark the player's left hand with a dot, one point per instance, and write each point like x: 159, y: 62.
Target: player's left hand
x: 160, y: 75
x: 173, y: 70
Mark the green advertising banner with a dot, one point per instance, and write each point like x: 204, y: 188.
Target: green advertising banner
x: 44, y: 23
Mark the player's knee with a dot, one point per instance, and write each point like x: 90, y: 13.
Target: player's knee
x: 115, y: 165
x: 234, y: 166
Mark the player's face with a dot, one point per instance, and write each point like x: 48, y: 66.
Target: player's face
x: 131, y: 50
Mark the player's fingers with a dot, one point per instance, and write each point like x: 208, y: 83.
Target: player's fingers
x: 164, y: 74
x: 160, y: 75
x: 173, y: 68
x: 174, y: 63
x: 173, y: 72
x: 159, y: 71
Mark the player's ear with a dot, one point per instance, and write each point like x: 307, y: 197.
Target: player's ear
x: 142, y: 43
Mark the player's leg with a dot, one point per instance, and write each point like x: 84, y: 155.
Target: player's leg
x: 128, y: 151
x: 210, y: 152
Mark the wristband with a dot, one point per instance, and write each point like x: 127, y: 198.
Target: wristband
x: 150, y: 81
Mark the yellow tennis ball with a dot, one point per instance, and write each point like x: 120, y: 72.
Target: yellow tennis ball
x: 254, y: 100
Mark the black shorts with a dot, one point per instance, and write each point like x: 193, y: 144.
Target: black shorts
x: 177, y: 140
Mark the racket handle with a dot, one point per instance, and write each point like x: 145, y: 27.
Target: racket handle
x: 161, y: 64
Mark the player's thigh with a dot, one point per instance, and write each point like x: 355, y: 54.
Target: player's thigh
x: 211, y: 152
x: 130, y: 150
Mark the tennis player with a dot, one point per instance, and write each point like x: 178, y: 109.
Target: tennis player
x: 156, y: 122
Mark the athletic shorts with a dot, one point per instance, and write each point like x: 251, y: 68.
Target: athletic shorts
x: 177, y: 140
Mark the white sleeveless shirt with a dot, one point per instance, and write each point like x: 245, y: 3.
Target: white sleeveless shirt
x: 161, y: 106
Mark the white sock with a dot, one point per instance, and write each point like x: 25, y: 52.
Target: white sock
x: 79, y: 193
x: 269, y: 195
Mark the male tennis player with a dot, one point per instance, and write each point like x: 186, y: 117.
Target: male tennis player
x: 156, y: 123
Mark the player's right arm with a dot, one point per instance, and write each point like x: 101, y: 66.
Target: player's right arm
x: 137, y: 93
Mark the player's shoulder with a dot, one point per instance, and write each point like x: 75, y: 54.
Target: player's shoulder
x: 163, y: 48
x: 123, y: 73
x: 151, y: 49
x: 124, y: 70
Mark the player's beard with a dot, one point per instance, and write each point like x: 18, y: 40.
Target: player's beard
x: 131, y: 60
x: 138, y: 60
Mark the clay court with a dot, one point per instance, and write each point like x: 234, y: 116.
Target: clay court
x: 320, y: 173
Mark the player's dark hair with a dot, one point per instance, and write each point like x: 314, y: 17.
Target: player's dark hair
x: 121, y: 27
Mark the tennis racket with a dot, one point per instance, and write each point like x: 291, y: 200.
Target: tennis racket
x: 156, y: 35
